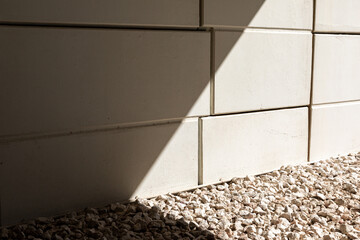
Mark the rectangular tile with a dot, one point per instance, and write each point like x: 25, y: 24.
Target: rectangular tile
x: 336, y: 68
x: 52, y: 175
x: 253, y: 143
x: 335, y: 130
x: 261, y: 69
x: 337, y: 16
x: 177, y: 13
x: 295, y: 14
x: 60, y: 79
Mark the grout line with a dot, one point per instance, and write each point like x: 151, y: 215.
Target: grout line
x: 212, y: 72
x: 201, y: 13
x: 241, y: 28
x: 311, y: 97
x: 258, y: 111
x: 89, y: 130
x: 314, y: 17
x: 102, y: 26
x: 157, y: 28
x: 337, y: 33
x: 338, y: 102
x: 311, y: 83
x: 0, y: 211
x: 200, y: 153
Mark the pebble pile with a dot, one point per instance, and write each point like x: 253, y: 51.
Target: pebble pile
x: 314, y: 201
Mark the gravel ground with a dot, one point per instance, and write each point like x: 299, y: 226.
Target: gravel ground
x: 315, y: 201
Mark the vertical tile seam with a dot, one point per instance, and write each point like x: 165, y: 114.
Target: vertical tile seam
x: 201, y: 13
x: 212, y: 71
x: 200, y: 153
x: 311, y: 81
x: 0, y: 211
x: 1, y: 192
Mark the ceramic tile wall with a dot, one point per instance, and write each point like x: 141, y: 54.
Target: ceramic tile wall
x: 104, y: 102
x: 41, y: 177
x: 337, y: 16
x: 335, y: 130
x: 80, y: 78
x: 335, y: 108
x: 292, y: 14
x: 261, y: 69
x: 336, y: 68
x: 253, y: 143
x: 154, y: 13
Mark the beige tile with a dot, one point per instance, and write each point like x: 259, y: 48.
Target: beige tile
x: 253, y: 143
x: 61, y: 79
x: 261, y: 70
x: 336, y: 68
x: 178, y: 13
x: 295, y: 14
x: 337, y: 16
x: 52, y: 175
x: 335, y: 130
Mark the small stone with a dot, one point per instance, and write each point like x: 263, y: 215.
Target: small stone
x: 346, y: 217
x: 156, y: 224
x: 352, y: 235
x: 328, y: 237
x: 246, y: 200
x: 340, y: 201
x: 349, y: 187
x: 259, y: 210
x: 244, y: 213
x: 345, y: 229
x: 293, y: 236
x: 238, y: 225
x: 223, y: 235
x: 4, y: 233
x: 321, y: 196
x: 287, y: 216
x: 250, y: 178
x: 57, y: 237
x: 250, y: 229
x: 283, y: 223
x: 323, y: 213
x: 315, y: 219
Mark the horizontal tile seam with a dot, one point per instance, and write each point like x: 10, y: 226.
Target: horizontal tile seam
x: 337, y: 33
x: 259, y: 28
x: 93, y: 129
x: 258, y: 110
x: 357, y: 101
x: 104, y: 26
x: 147, y: 27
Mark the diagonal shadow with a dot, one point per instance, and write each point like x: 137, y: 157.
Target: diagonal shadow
x: 75, y: 170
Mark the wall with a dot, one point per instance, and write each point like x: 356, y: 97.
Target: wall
x: 108, y: 100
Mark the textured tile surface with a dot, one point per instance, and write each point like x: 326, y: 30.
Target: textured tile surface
x: 336, y: 68
x: 337, y: 16
x: 253, y: 143
x: 55, y: 79
x: 335, y: 130
x: 261, y: 69
x: 105, y: 12
x: 63, y: 173
x: 296, y: 14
